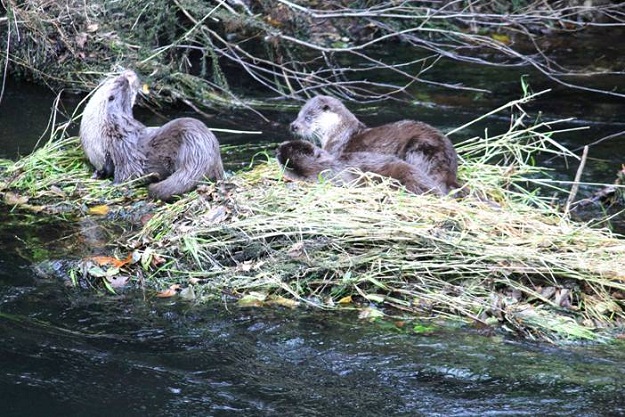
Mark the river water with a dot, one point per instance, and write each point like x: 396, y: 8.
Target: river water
x: 75, y: 352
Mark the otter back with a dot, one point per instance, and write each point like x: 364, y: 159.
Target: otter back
x: 328, y: 121
x: 181, y: 153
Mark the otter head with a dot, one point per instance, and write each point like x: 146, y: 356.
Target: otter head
x: 324, y: 118
x: 291, y: 153
x: 121, y: 93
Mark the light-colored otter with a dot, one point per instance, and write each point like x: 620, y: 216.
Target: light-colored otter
x: 302, y: 160
x: 107, y: 103
x: 179, y: 154
x: 338, y: 131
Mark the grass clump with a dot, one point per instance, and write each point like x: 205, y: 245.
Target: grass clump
x: 505, y: 254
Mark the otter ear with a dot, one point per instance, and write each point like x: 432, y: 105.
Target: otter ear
x: 111, y: 97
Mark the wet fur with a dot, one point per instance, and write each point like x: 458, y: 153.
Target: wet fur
x: 302, y: 160
x: 101, y: 121
x: 326, y: 120
x: 178, y: 154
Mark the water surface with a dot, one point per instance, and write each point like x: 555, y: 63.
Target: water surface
x: 76, y: 352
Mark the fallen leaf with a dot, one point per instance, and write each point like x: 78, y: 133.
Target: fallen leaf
x: 187, y: 293
x: 370, y: 314
x: 296, y: 250
x: 118, y: 281
x: 12, y: 199
x: 284, y: 302
x: 92, y: 27
x: 34, y: 209
x: 109, y: 260
x: 169, y: 292
x: 145, y: 89
x: 345, y: 300
x: 253, y: 299
x: 101, y: 210
x: 501, y: 38
x: 157, y: 260
x: 96, y: 271
x: 217, y: 215
x: 81, y: 40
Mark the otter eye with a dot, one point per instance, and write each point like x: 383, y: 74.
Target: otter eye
x: 325, y: 107
x: 111, y: 98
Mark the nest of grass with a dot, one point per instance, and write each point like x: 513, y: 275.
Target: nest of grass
x: 503, y: 255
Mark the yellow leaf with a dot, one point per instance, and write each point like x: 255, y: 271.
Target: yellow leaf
x: 145, y: 89
x: 345, y: 300
x: 101, y: 210
x: 284, y: 302
x: 501, y: 38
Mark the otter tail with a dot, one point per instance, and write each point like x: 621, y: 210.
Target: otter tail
x: 197, y: 158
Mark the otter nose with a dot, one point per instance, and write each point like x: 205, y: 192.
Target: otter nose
x: 294, y: 127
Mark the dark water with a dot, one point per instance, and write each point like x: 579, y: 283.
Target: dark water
x: 72, y: 352
x: 64, y: 352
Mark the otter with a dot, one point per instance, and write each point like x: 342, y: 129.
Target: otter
x: 106, y: 103
x: 302, y: 160
x: 338, y: 131
x: 178, y: 155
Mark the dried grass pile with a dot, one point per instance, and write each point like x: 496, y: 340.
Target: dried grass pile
x: 506, y: 254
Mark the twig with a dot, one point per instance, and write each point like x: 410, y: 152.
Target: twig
x: 575, y: 186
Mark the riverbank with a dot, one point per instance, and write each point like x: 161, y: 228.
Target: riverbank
x: 212, y: 54
x: 507, y: 256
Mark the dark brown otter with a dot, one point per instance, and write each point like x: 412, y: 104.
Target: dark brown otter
x: 338, y: 131
x: 304, y: 161
x: 178, y: 154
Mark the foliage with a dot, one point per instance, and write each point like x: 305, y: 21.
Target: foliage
x: 208, y: 52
